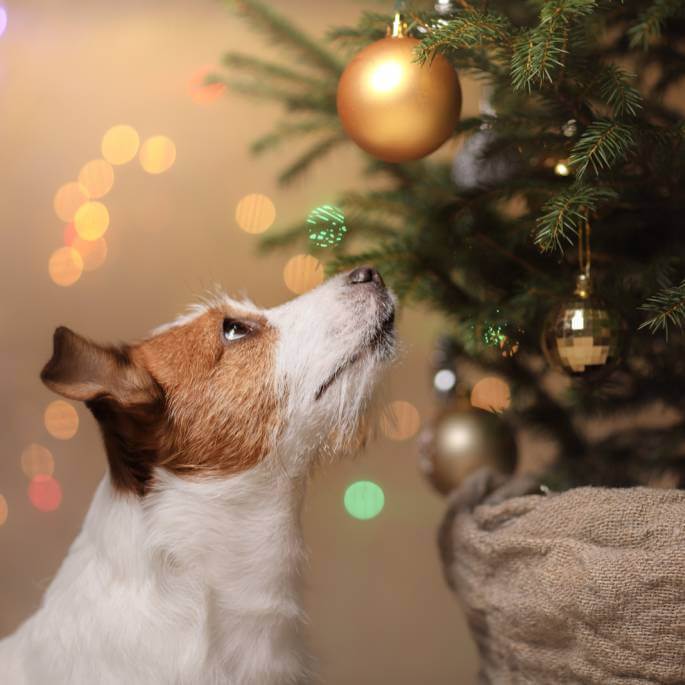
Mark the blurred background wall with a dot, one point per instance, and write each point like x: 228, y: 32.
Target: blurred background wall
x: 70, y: 70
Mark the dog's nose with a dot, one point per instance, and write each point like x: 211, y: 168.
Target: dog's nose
x: 365, y: 274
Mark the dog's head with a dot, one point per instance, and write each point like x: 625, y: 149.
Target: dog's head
x: 220, y: 390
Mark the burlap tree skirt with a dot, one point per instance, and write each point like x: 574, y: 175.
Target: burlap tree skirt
x: 587, y: 586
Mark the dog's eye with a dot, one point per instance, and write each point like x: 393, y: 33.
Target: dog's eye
x: 234, y: 330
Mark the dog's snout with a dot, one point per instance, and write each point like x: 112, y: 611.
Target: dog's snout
x: 365, y: 274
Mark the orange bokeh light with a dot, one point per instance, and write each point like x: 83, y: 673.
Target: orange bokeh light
x: 45, y: 493
x: 68, y: 199
x: 201, y: 92
x: 255, y: 213
x: 69, y: 234
x: 91, y: 220
x: 37, y: 459
x: 400, y: 421
x: 61, y: 420
x: 65, y: 266
x: 302, y: 273
x: 120, y: 144
x: 4, y: 510
x: 492, y: 394
x: 93, y: 252
x: 97, y: 177
x: 157, y: 154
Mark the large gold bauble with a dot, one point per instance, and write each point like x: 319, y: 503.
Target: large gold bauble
x: 582, y: 336
x: 461, y: 441
x: 394, y: 108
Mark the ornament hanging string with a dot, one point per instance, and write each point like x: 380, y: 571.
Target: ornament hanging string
x: 584, y: 252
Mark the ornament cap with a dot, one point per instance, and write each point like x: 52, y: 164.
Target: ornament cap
x: 398, y: 29
x: 583, y: 286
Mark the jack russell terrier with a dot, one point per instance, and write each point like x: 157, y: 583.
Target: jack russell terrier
x: 187, y: 569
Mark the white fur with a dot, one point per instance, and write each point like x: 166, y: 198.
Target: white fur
x: 197, y: 582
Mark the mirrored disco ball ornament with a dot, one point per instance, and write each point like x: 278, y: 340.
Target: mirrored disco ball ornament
x: 463, y: 440
x: 326, y: 226
x: 582, y: 335
x: 476, y: 167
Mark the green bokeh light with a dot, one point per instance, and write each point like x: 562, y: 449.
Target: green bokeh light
x: 364, y: 500
x: 326, y: 226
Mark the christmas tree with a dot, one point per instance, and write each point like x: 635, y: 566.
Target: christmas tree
x: 578, y: 130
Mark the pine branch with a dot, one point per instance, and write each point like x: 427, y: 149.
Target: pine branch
x: 261, y: 69
x: 616, y: 90
x: 318, y: 101
x: 566, y: 211
x: 282, y: 32
x: 667, y: 307
x: 314, y: 153
x: 652, y: 20
x: 602, y: 144
x: 541, y: 51
x: 286, y: 131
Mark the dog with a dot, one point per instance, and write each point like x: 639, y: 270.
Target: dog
x: 188, y: 565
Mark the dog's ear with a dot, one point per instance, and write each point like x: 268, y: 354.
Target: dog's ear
x: 83, y: 370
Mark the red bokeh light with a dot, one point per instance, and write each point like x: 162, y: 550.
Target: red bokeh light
x: 45, y: 492
x: 69, y: 234
x: 203, y: 93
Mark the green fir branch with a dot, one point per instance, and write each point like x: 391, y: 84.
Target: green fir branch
x: 286, y: 131
x: 316, y: 152
x: 616, y: 90
x: 651, y: 21
x: 262, y: 69
x: 602, y: 145
x: 667, y: 308
x: 563, y: 214
x: 282, y: 32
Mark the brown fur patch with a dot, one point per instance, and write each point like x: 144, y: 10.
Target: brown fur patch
x: 184, y: 399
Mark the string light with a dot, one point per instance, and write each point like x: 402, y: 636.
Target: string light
x: 65, y: 266
x: 120, y: 144
x: 364, y: 500
x: 68, y: 199
x: 444, y: 380
x: 91, y: 220
x: 97, y: 177
x: 45, y: 493
x: 157, y: 154
x: 255, y: 213
x: 491, y: 394
x: 61, y: 420
x: 302, y: 273
x: 37, y: 459
x: 401, y: 420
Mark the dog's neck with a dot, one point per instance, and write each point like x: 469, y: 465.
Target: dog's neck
x: 198, y: 577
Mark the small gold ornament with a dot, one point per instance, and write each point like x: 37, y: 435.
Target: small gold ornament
x: 461, y: 441
x: 582, y: 334
x: 393, y: 107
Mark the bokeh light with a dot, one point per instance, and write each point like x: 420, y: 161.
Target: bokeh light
x: 45, y: 493
x: 61, y: 419
x: 492, y: 394
x: 400, y: 420
x: 364, y: 500
x: 93, y: 252
x: 4, y: 510
x: 120, y: 144
x: 255, y: 213
x: 326, y: 226
x: 65, y: 266
x: 201, y: 92
x: 68, y: 199
x: 302, y: 273
x: 3, y: 20
x: 97, y: 177
x: 69, y: 234
x: 37, y: 460
x: 444, y: 380
x: 91, y: 220
x: 157, y: 154
x: 562, y: 169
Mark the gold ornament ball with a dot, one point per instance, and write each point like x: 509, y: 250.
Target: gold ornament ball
x: 395, y: 108
x: 582, y: 336
x: 463, y: 440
